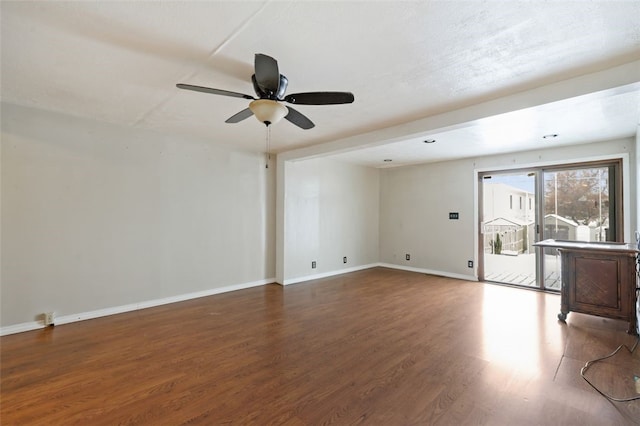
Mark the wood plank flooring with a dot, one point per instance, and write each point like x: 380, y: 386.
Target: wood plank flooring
x: 375, y: 347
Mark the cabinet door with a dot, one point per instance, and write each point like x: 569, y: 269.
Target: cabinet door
x: 597, y: 285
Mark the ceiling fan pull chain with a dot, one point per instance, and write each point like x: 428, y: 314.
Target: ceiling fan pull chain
x: 268, y: 145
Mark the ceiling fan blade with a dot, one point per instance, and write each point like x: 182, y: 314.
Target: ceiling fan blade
x: 213, y: 91
x: 299, y: 119
x: 320, y: 98
x: 245, y: 113
x: 267, y: 73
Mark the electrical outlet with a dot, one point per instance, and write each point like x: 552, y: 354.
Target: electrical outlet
x: 470, y: 263
x: 313, y: 264
x: 454, y: 215
x: 344, y: 259
x: 407, y: 256
x: 48, y: 318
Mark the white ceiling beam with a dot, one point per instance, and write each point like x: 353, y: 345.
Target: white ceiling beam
x: 609, y: 82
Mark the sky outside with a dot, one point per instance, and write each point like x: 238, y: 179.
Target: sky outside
x: 520, y: 181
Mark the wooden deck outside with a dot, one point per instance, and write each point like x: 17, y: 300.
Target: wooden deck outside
x: 552, y: 280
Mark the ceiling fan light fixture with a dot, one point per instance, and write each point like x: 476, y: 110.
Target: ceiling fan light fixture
x: 268, y: 111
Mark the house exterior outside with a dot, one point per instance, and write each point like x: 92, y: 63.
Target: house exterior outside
x: 510, y: 213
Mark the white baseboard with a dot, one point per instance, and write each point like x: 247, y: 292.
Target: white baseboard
x: 328, y: 274
x: 66, y: 319
x: 429, y: 271
x: 20, y: 328
x: 379, y: 264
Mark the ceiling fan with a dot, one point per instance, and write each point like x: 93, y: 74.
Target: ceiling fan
x: 270, y: 87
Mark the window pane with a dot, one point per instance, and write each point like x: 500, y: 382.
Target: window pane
x: 576, y: 205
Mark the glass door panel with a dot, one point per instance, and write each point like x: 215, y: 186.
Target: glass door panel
x: 579, y: 205
x: 508, y: 219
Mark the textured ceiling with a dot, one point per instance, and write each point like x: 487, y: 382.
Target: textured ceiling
x: 119, y: 62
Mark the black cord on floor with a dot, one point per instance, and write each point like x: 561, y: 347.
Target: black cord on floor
x: 590, y: 363
x: 584, y: 369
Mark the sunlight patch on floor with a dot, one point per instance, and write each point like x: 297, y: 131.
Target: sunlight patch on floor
x: 511, y: 330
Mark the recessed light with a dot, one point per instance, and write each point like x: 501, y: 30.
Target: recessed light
x: 387, y: 160
x: 550, y: 136
x: 430, y: 141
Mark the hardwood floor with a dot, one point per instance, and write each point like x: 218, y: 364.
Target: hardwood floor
x: 376, y: 347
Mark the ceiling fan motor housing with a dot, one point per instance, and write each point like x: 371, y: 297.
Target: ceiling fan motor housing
x: 267, y: 94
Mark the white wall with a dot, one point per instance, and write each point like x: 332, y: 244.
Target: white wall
x: 330, y: 211
x: 415, y: 203
x: 96, y: 216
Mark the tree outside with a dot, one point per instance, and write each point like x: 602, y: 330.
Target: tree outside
x: 580, y: 195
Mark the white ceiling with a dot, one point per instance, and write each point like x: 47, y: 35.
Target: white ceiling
x: 119, y: 62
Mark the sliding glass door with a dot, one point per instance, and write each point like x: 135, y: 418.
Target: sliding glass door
x: 577, y: 202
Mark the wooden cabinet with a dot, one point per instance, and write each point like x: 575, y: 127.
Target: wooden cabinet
x: 598, y: 279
